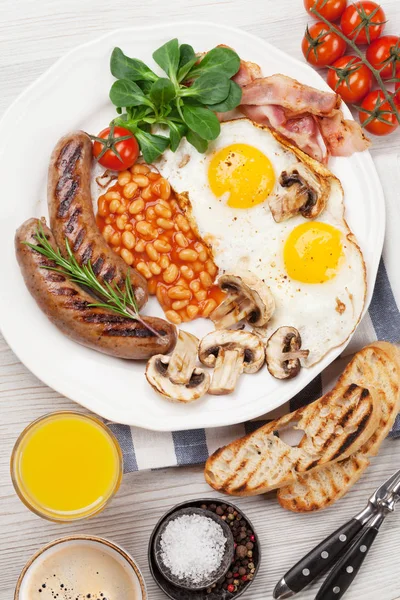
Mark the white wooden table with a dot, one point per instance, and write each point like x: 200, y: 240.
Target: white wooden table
x: 33, y: 35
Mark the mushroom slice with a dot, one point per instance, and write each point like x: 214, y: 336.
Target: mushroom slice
x: 231, y: 353
x: 176, y: 377
x: 305, y: 193
x: 283, y: 353
x: 183, y: 359
x: 248, y: 298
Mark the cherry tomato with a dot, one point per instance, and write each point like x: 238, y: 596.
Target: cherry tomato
x: 350, y: 78
x: 363, y: 21
x: 384, y: 55
x: 330, y: 9
x: 320, y: 46
x: 378, y: 118
x: 115, y: 148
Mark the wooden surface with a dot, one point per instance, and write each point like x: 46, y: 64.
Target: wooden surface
x: 32, y: 36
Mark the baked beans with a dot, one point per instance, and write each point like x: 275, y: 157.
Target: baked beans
x: 140, y: 218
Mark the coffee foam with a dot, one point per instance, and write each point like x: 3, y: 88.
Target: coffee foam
x: 80, y: 569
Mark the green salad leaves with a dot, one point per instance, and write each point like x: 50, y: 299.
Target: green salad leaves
x: 184, y: 102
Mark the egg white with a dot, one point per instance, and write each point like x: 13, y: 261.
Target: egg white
x: 250, y: 238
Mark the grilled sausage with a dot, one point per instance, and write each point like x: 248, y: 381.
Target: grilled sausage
x: 72, y: 216
x: 67, y: 307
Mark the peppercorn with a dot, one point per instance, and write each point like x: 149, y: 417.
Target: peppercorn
x: 242, y: 568
x: 203, y: 506
x: 241, y: 551
x: 249, y: 545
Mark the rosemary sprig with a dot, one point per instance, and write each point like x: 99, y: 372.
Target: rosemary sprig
x: 121, y: 302
x: 376, y: 72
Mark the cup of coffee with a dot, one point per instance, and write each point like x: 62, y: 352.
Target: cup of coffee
x: 81, y: 566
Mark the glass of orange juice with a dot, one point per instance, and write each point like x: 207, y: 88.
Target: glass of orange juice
x: 66, y: 466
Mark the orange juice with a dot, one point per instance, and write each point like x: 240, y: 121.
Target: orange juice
x: 66, y: 466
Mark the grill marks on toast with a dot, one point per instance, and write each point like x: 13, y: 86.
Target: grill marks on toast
x: 350, y: 419
x: 322, y: 488
x: 334, y: 426
x: 375, y: 366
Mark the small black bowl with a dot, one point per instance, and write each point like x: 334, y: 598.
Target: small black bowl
x: 177, y: 593
x: 226, y: 559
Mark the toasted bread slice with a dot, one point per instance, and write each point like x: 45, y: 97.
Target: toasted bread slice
x: 334, y: 427
x: 376, y: 365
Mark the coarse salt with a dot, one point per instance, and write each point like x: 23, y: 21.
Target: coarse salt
x: 192, y: 547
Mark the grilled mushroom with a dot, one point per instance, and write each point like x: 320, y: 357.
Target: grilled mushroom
x: 305, y: 193
x: 231, y: 353
x: 176, y: 377
x: 283, y: 353
x: 248, y: 298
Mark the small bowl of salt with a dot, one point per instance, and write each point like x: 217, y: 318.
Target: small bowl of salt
x: 193, y: 548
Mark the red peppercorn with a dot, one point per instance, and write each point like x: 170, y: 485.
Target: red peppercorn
x: 244, y: 578
x: 235, y: 545
x: 252, y: 538
x: 231, y: 588
x: 235, y: 575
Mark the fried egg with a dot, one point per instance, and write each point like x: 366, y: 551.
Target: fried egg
x: 314, y: 268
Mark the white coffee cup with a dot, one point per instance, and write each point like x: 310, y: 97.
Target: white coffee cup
x: 82, y: 565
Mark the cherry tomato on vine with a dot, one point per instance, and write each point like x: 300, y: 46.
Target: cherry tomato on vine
x: 384, y: 55
x: 363, y: 21
x: 330, y: 9
x: 377, y: 117
x: 320, y: 46
x: 350, y: 78
x: 115, y: 148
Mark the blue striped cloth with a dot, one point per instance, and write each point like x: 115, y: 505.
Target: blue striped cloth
x: 144, y: 449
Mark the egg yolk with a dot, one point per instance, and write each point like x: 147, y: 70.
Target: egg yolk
x: 242, y: 172
x: 313, y: 252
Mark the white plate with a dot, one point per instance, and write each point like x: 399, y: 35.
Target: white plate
x: 73, y: 94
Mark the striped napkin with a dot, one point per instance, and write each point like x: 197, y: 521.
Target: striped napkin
x: 151, y: 449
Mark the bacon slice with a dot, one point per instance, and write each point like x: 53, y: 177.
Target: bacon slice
x: 248, y: 72
x: 308, y: 117
x: 302, y: 131
x: 290, y: 94
x: 342, y: 137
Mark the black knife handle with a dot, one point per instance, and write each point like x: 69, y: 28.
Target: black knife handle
x: 321, y: 557
x: 348, y: 566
